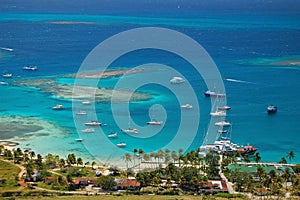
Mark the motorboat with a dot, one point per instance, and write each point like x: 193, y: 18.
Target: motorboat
x: 131, y: 130
x: 93, y: 123
x: 30, y: 68
x: 7, y: 75
x: 58, y: 107
x: 223, y: 123
x: 222, y: 131
x: 86, y: 103
x: 154, y: 122
x: 209, y: 93
x: 176, y: 80
x: 189, y: 106
x: 113, y: 135
x: 224, y: 108
x: 79, y: 140
x: 88, y: 130
x: 81, y: 112
x: 247, y: 150
x: 121, y: 144
x: 3, y: 83
x: 218, y: 114
x: 272, y: 109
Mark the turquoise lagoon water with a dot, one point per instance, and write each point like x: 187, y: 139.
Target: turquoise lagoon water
x: 238, y: 42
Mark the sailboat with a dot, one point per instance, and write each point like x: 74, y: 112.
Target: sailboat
x: 130, y: 130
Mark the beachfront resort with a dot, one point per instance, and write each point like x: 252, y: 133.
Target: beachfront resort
x: 27, y: 173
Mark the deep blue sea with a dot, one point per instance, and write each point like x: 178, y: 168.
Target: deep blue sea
x: 253, y: 44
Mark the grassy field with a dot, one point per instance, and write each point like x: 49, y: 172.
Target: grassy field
x: 8, y: 174
x: 124, y: 197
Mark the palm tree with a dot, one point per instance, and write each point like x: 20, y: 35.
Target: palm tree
x: 31, y: 154
x: 62, y: 163
x: 174, y: 156
x: 286, y: 175
x: 160, y: 154
x: 180, y: 151
x: 93, y: 163
x: 127, y: 158
x: 152, y: 155
x: 135, y: 153
x: 260, y: 171
x: 1, y: 148
x: 141, y: 153
x: 291, y: 155
x: 283, y: 160
x: 146, y: 157
x: 257, y: 157
x: 79, y: 161
x: 246, y: 158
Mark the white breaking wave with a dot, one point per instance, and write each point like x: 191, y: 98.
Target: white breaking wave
x: 237, y: 81
x: 6, y: 49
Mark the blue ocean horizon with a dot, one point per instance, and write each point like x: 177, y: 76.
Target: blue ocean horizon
x: 254, y: 49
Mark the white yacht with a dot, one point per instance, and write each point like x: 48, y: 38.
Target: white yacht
x: 86, y: 103
x: 131, y: 130
x: 93, y: 123
x: 58, y: 107
x: 209, y: 93
x: 121, y: 144
x: 223, y: 123
x: 30, y: 68
x: 189, y: 106
x: 154, y: 122
x: 7, y: 75
x: 224, y: 108
x: 222, y: 131
x: 88, y: 130
x: 113, y: 135
x: 218, y: 114
x: 81, y: 112
x: 176, y: 80
x: 3, y: 83
x: 79, y: 140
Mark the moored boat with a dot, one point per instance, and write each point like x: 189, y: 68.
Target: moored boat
x: 121, y: 144
x: 30, y: 68
x: 218, y: 114
x: 189, y: 106
x: 272, y: 109
x: 79, y: 140
x: 224, y: 108
x: 154, y: 122
x: 3, y: 83
x: 86, y: 103
x: 93, y: 123
x: 222, y: 131
x: 88, y: 130
x: 176, y: 80
x: 58, y: 107
x: 247, y: 150
x: 81, y: 112
x: 113, y: 135
x: 131, y: 130
x: 223, y: 123
x: 7, y: 75
x: 209, y: 93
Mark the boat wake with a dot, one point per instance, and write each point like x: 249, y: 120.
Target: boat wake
x: 237, y: 81
x: 6, y: 49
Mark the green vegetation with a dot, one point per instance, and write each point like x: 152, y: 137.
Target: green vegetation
x: 107, y: 183
x: 8, y: 176
x: 164, y: 172
x: 128, y: 197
